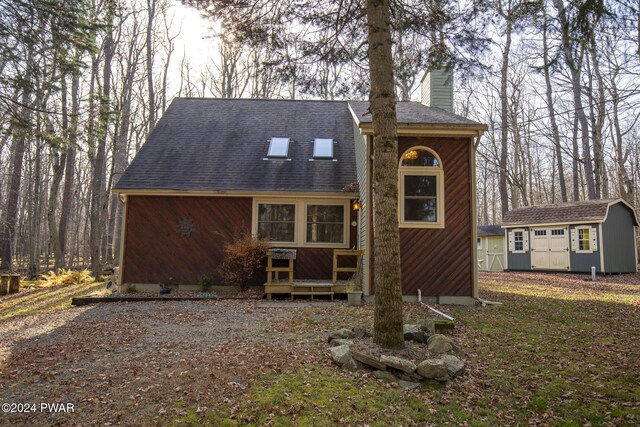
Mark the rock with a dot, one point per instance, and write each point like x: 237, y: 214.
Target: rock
x: 455, y: 366
x: 428, y: 326
x: 350, y: 365
x: 341, y: 334
x: 439, y: 344
x: 399, y: 363
x: 368, y: 360
x: 415, y: 333
x: 341, y: 354
x: 384, y: 375
x: 433, y: 369
x: 408, y: 385
x: 361, y: 332
x: 443, y: 325
x: 339, y: 341
x: 412, y: 377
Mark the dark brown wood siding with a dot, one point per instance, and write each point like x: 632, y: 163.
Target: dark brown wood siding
x: 439, y: 261
x: 173, y: 239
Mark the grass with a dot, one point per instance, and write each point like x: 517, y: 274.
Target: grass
x: 39, y: 297
x: 560, y: 351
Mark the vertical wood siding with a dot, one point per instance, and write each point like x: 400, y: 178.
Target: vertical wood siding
x: 158, y: 248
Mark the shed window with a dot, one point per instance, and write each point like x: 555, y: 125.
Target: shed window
x: 278, y: 147
x: 323, y: 148
x: 325, y: 223
x: 557, y: 232
x: 539, y: 233
x: 584, y: 241
x: 277, y: 222
x: 479, y: 244
x: 421, y: 189
x: 518, y: 241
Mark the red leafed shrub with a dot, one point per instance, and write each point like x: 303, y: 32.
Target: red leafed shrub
x: 241, y: 260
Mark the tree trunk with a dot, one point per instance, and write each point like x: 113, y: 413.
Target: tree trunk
x: 20, y: 140
x: 574, y: 62
x: 504, y: 121
x: 388, y: 318
x: 555, y: 133
x: 69, y: 173
x: 151, y: 8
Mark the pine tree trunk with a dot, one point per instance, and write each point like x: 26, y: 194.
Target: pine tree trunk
x: 388, y: 330
x: 69, y: 173
x: 504, y: 121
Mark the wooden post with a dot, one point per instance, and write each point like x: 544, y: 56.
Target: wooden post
x: 14, y: 283
x: 4, y: 284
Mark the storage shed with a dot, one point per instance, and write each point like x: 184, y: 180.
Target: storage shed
x: 490, y: 245
x: 573, y: 237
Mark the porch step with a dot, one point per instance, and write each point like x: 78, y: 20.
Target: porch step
x: 312, y: 293
x: 313, y: 285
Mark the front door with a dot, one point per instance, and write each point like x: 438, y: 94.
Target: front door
x: 550, y: 249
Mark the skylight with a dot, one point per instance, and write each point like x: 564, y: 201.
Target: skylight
x: 323, y: 148
x: 278, y: 147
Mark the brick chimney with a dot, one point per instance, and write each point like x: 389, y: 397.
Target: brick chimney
x: 437, y: 88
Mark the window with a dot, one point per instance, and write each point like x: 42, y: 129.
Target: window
x: 300, y: 222
x: 278, y: 147
x: 325, y: 224
x: 421, y: 189
x: 479, y: 243
x: 518, y: 241
x: 539, y: 233
x: 584, y: 241
x: 557, y: 232
x: 323, y: 148
x: 277, y: 222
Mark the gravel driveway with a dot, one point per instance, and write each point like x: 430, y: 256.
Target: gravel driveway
x: 127, y: 362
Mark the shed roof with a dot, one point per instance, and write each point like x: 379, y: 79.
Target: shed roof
x: 588, y: 211
x: 490, y: 230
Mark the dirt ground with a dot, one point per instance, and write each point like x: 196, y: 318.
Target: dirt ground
x: 126, y: 362
x: 148, y: 363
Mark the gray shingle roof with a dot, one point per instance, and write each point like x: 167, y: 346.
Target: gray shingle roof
x: 220, y: 144
x: 585, y: 211
x: 490, y: 230
x: 414, y: 113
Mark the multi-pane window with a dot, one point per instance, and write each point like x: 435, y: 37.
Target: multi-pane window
x: 518, y: 241
x: 421, y: 189
x: 420, y: 198
x: 539, y: 233
x: 277, y: 222
x: 325, y: 223
x: 584, y: 241
x: 557, y: 232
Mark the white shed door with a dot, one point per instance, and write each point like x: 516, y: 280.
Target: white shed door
x: 550, y: 248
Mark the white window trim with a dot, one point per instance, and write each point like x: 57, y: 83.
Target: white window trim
x: 438, y: 172
x: 583, y: 251
x: 300, y: 231
x: 523, y: 251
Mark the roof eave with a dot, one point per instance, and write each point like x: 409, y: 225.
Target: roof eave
x: 423, y: 129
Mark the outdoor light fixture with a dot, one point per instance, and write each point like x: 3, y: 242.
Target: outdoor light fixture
x: 356, y: 205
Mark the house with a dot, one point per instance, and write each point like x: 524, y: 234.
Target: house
x: 573, y: 236
x: 214, y: 167
x: 490, y: 245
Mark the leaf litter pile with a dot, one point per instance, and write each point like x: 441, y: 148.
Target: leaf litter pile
x: 560, y: 349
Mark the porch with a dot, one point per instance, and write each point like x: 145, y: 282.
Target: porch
x: 311, y: 287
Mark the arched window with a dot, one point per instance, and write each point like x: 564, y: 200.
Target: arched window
x: 421, y: 186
